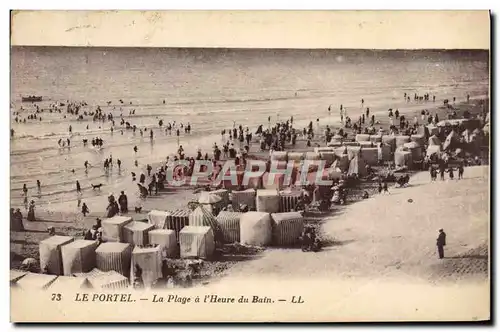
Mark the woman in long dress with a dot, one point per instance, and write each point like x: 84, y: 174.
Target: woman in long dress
x: 31, y: 211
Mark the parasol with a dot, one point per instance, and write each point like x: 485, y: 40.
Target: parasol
x: 207, y: 198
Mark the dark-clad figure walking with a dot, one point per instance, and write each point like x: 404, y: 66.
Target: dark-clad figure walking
x: 441, y: 242
x: 123, y: 202
x: 460, y: 171
x: 85, y: 209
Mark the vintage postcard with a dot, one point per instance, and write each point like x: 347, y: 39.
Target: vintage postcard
x: 250, y: 166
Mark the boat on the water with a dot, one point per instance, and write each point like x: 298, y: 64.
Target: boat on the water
x: 31, y: 98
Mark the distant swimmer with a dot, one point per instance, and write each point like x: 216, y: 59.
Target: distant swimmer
x: 135, y: 149
x: 151, y: 134
x: 78, y: 187
x: 133, y: 176
x: 69, y: 142
x: 136, y: 163
x: 39, y: 185
x: 86, y: 164
x: 25, y: 190
x: 70, y: 129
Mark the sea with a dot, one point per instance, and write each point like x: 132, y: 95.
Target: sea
x: 211, y: 89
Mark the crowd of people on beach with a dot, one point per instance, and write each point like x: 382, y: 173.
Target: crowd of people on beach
x: 236, y: 145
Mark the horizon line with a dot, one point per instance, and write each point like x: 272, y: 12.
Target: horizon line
x: 257, y: 48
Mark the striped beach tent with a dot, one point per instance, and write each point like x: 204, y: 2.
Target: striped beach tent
x: 287, y: 228
x: 113, y: 256
x: 65, y: 283
x: 230, y: 225
x: 202, y: 217
x: 105, y: 279
x: 35, y: 281
x: 289, y: 200
x: 177, y: 220
x: 15, y: 275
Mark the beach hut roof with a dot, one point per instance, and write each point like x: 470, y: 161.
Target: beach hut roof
x: 195, y: 229
x: 411, y: 145
x: 15, y: 275
x: 67, y: 282
x: 36, y: 280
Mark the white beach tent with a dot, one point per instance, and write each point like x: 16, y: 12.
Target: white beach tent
x: 255, y: 228
x: 166, y: 239
x: 50, y: 254
x: 158, y: 218
x: 78, y: 256
x: 149, y: 261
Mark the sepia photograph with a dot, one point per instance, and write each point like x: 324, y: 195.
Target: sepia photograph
x: 160, y: 181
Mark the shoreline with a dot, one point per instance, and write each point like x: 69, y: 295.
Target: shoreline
x: 96, y: 207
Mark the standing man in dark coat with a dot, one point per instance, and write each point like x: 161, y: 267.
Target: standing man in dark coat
x: 441, y: 242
